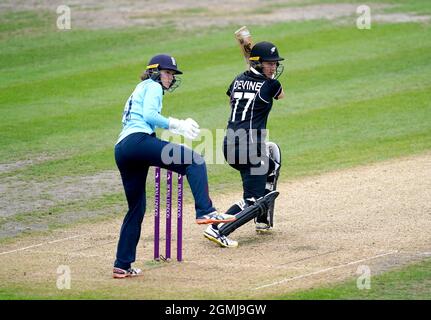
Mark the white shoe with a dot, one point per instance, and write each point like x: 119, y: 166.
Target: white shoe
x: 119, y: 273
x: 215, y: 217
x: 213, y: 235
x: 262, y: 227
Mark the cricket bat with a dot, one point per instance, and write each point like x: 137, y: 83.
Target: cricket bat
x: 243, y: 36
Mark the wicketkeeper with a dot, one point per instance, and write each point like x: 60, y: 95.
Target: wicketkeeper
x: 138, y: 148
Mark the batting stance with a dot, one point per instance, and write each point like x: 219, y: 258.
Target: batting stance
x: 138, y: 148
x: 251, y: 96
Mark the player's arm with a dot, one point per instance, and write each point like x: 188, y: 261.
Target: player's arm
x: 151, y: 107
x: 281, y: 94
x: 278, y: 89
x: 229, y: 91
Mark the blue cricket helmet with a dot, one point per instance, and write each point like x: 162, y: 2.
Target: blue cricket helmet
x: 163, y: 62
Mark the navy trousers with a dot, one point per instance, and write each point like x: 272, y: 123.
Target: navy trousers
x: 134, y: 155
x: 253, y: 184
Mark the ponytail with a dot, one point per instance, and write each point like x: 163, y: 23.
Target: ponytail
x: 145, y: 75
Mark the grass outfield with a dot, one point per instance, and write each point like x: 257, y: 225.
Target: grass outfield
x: 352, y: 97
x: 408, y: 283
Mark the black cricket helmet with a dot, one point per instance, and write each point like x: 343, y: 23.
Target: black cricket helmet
x: 265, y: 51
x: 163, y: 62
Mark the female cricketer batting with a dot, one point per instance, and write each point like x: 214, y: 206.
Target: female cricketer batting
x: 251, y: 96
x: 138, y: 148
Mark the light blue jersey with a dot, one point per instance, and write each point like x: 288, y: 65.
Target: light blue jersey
x: 142, y: 110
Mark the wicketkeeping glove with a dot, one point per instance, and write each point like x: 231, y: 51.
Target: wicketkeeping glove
x: 188, y: 128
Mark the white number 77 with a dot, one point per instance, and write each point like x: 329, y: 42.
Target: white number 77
x: 238, y: 96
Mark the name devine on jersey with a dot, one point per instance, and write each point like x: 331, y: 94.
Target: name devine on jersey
x: 247, y: 85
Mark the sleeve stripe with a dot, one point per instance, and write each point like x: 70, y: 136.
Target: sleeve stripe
x: 278, y: 92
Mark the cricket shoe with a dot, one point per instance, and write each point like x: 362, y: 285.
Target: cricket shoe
x: 214, y: 235
x: 262, y: 227
x: 119, y: 273
x: 215, y: 217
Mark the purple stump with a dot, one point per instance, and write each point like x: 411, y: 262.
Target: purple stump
x: 157, y: 214
x: 180, y: 219
x: 168, y: 213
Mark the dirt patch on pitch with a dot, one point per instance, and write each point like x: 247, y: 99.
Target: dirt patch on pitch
x: 326, y: 227
x: 21, y: 164
x: 33, y: 205
x: 189, y: 14
x: 21, y: 196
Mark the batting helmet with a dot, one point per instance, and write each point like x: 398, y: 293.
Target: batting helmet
x: 265, y: 51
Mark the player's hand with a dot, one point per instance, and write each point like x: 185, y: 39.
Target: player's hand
x: 191, y: 128
x: 188, y: 128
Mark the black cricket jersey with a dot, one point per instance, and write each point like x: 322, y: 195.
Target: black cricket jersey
x: 251, y: 96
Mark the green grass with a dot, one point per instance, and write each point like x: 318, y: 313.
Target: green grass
x: 412, y: 6
x: 39, y: 293
x: 409, y: 283
x: 406, y: 283
x: 326, y: 71
x: 65, y: 212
